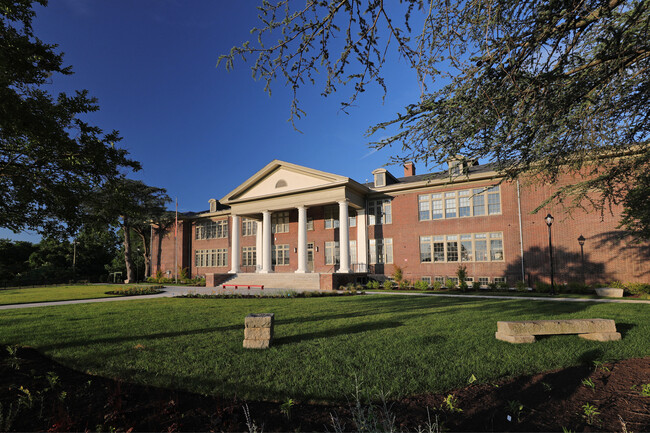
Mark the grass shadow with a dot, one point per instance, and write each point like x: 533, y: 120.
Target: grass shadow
x: 346, y: 330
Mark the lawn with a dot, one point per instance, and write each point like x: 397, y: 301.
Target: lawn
x: 401, y: 345
x: 55, y: 293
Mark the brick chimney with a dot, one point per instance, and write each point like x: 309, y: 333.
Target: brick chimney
x: 409, y: 169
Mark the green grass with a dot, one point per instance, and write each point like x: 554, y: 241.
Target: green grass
x: 55, y: 293
x: 401, y: 345
x: 510, y: 293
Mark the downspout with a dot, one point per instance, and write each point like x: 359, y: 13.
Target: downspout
x: 521, y: 236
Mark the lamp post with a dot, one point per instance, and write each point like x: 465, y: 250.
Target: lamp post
x: 581, y: 241
x: 549, y: 221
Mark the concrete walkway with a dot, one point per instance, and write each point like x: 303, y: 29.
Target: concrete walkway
x: 172, y: 291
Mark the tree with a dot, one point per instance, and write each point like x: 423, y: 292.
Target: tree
x: 538, y: 87
x: 50, y: 159
x: 134, y: 206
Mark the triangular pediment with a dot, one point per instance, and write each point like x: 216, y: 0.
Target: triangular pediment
x: 281, y: 178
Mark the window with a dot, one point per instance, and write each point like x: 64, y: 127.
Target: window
x: 332, y: 254
x: 211, y: 230
x: 439, y: 279
x: 353, y: 252
x: 460, y: 204
x: 352, y: 218
x: 280, y: 222
x: 501, y: 280
x: 450, y: 205
x: 496, y: 247
x: 454, y: 280
x: 310, y: 223
x: 379, y: 212
x: 331, y: 217
x: 248, y: 256
x: 280, y: 256
x: 463, y: 248
x: 494, y: 200
x: 452, y: 248
x: 381, y: 251
x: 425, y: 249
x: 483, y: 281
x: 426, y: 280
x: 248, y: 227
x: 380, y: 179
x: 211, y: 258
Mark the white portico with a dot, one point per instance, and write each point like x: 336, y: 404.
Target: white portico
x: 281, y: 188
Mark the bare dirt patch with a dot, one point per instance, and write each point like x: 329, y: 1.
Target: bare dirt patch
x: 37, y: 394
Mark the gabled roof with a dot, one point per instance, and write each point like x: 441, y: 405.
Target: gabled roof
x: 281, y: 178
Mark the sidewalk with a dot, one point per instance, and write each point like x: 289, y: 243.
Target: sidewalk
x: 172, y: 291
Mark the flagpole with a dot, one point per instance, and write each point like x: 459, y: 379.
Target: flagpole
x: 176, y: 245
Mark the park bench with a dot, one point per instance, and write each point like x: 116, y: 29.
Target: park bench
x: 248, y: 286
x: 525, y: 331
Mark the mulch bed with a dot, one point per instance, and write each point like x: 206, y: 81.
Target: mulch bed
x: 56, y: 398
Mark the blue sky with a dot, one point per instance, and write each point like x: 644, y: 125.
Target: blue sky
x: 198, y: 130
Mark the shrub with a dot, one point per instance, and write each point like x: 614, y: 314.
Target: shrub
x: 638, y: 288
x: 521, y: 286
x: 492, y: 285
x: 617, y: 285
x: 388, y: 285
x: 437, y: 285
x: 502, y: 285
x: 421, y: 285
x: 133, y: 291
x: 183, y: 273
x: 372, y: 284
x: 461, y: 273
x: 476, y: 285
x: 577, y: 287
x: 449, y: 284
x: 398, y: 274
x: 404, y: 284
x: 542, y: 287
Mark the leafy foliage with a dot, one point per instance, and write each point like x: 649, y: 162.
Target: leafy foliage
x: 537, y: 87
x: 50, y: 159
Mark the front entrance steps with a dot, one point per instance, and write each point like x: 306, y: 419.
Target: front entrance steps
x: 289, y: 281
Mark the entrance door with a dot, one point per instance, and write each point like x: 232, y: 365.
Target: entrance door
x: 310, y: 256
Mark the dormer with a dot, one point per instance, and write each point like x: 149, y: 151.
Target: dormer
x: 459, y: 165
x: 383, y: 177
x: 213, y: 205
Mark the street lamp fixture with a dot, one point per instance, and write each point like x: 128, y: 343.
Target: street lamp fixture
x: 549, y: 221
x: 581, y: 241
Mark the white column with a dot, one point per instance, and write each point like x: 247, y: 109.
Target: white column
x: 235, y: 253
x: 302, y: 240
x: 266, y: 242
x: 258, y: 246
x: 362, y: 240
x: 344, y: 237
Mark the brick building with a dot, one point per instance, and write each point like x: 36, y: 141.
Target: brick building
x: 289, y: 219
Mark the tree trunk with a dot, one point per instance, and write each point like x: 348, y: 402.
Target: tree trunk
x: 145, y: 247
x: 127, y: 251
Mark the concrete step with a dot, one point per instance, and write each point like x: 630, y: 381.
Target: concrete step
x: 279, y: 280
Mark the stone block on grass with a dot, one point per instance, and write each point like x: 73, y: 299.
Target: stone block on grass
x: 264, y: 320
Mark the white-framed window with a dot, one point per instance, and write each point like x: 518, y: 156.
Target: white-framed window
x: 484, y: 281
x: 500, y: 280
x: 460, y: 204
x: 332, y: 253
x: 353, y: 252
x: 380, y: 212
x: 248, y: 256
x: 211, y: 230
x: 352, y: 218
x: 381, y: 250
x: 426, y: 279
x: 280, y: 256
x: 280, y: 222
x: 248, y: 227
x: 462, y: 248
x: 211, y: 258
x: 331, y: 217
x: 439, y: 279
x: 310, y: 223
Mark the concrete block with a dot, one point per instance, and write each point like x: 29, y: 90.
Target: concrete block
x: 554, y: 327
x: 258, y: 333
x: 515, y: 338
x: 264, y: 320
x: 609, y: 292
x: 601, y: 336
x: 257, y: 344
